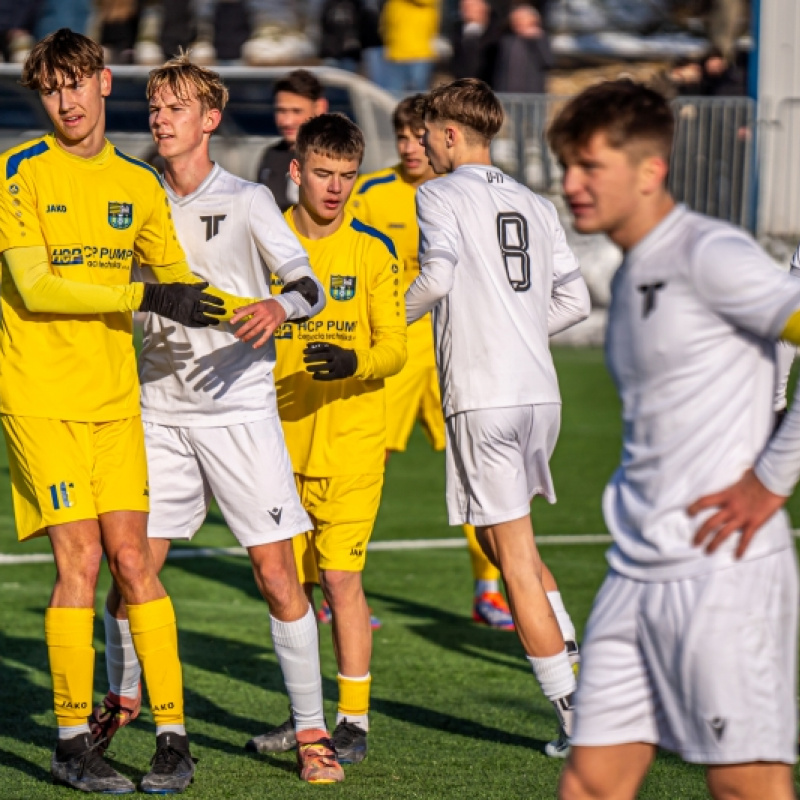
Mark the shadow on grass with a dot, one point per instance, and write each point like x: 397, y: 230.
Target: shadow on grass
x: 448, y: 723
x: 457, y: 633
x: 27, y: 768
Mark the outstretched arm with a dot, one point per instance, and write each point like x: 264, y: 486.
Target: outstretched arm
x: 43, y: 292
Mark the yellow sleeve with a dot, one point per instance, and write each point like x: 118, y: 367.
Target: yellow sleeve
x: 180, y: 273
x: 387, y: 316
x: 43, y: 292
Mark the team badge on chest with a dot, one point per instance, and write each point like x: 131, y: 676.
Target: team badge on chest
x: 343, y: 287
x: 120, y: 215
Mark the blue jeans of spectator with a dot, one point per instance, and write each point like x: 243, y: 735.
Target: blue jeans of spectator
x: 407, y: 76
x: 374, y: 64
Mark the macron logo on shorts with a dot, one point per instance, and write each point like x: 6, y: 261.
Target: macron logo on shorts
x: 275, y: 513
x: 718, y: 726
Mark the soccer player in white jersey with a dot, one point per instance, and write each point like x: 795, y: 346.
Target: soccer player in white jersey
x: 208, y: 403
x: 692, y: 641
x: 497, y: 272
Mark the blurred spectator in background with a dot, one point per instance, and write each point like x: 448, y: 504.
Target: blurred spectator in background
x: 685, y: 78
x: 727, y: 20
x: 371, y: 42
x: 475, y: 41
x: 341, y: 33
x: 524, y: 55
x: 408, y: 29
x: 119, y: 26
x: 17, y: 21
x: 296, y: 98
x: 56, y: 14
x: 725, y: 76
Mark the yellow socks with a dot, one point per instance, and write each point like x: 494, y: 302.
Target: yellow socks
x: 68, y: 633
x: 354, y: 700
x: 155, y: 638
x: 482, y: 568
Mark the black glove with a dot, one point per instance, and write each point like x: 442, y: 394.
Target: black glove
x: 186, y: 303
x: 307, y: 289
x: 329, y: 362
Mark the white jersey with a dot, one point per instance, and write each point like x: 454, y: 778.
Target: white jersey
x: 696, y: 307
x: 509, y: 251
x: 234, y: 235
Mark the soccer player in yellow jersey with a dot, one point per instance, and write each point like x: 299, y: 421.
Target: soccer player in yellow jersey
x: 330, y: 381
x: 74, y: 212
x: 385, y: 200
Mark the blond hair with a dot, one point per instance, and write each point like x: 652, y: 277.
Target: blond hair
x: 180, y: 75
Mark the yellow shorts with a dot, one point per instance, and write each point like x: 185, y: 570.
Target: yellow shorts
x: 65, y: 471
x: 410, y: 395
x: 343, y: 510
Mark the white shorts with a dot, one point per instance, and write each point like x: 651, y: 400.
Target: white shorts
x: 705, y: 667
x: 498, y: 461
x: 245, y: 467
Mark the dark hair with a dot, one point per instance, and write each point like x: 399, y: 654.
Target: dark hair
x: 300, y: 82
x: 331, y: 135
x: 408, y: 113
x: 468, y: 102
x: 179, y: 74
x: 628, y: 113
x: 63, y: 55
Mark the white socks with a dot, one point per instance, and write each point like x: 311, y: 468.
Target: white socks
x: 72, y: 731
x: 122, y: 665
x: 297, y: 649
x: 562, y: 617
x: 557, y: 680
x: 554, y: 674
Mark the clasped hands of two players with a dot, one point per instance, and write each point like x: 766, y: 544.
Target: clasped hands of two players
x: 189, y: 305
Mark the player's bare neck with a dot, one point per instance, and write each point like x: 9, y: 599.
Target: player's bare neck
x: 185, y: 173
x: 647, y: 217
x: 418, y: 181
x: 470, y: 154
x: 311, y: 225
x: 88, y: 147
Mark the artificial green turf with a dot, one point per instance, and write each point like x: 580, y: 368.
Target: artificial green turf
x: 455, y: 712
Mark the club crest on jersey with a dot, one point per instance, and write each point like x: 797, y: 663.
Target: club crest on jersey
x: 343, y: 287
x: 120, y: 215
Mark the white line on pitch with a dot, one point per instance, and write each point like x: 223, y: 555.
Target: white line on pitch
x: 399, y: 544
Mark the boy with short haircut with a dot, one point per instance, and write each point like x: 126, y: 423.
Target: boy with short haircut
x: 208, y: 404
x: 330, y: 381
x: 296, y: 98
x: 688, y: 647
x: 74, y: 212
x: 386, y: 200
x: 497, y: 272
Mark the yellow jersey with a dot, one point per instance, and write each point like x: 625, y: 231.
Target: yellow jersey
x: 408, y: 28
x: 93, y: 216
x: 386, y: 202
x: 339, y: 427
